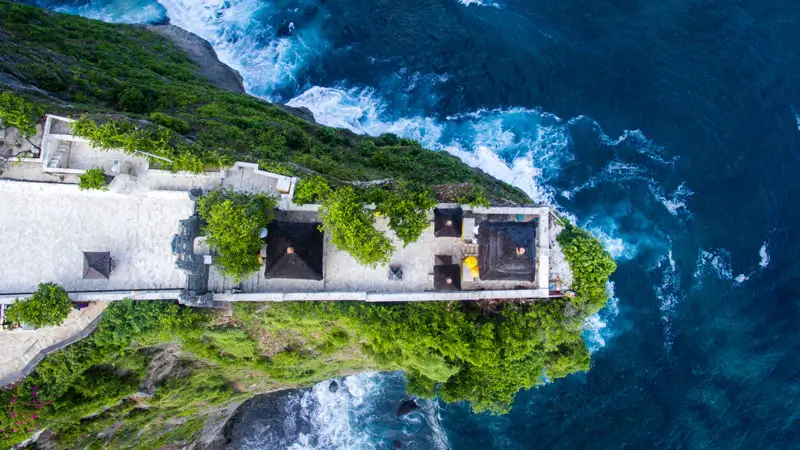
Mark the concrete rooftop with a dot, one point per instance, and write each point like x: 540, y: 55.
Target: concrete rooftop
x: 46, y: 227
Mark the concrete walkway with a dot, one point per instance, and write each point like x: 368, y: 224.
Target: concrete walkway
x: 22, y: 350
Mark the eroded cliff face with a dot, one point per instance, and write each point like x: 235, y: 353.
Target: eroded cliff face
x: 201, y: 53
x: 224, y: 76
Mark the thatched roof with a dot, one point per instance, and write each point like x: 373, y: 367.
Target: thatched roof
x: 506, y: 251
x: 447, y: 222
x: 96, y: 265
x: 294, y: 250
x: 447, y: 277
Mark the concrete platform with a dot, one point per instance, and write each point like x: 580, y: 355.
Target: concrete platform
x: 22, y: 349
x: 48, y: 226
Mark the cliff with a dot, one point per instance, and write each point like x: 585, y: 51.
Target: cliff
x: 157, y: 375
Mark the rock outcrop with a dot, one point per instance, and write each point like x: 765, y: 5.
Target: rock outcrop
x: 202, y: 54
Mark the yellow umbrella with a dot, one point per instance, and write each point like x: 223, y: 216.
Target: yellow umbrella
x: 471, y: 262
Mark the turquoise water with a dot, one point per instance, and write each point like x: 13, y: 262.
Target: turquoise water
x: 668, y: 128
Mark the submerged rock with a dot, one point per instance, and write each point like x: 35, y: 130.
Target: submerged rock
x: 407, y: 406
x: 334, y: 386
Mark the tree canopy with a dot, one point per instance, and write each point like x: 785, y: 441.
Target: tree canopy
x: 233, y: 223
x: 352, y: 228
x: 48, y: 306
x: 94, y: 178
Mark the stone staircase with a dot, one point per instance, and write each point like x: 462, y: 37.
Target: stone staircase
x: 58, y: 155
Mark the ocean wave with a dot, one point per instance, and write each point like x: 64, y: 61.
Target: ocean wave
x: 118, y: 11
x: 764, y: 255
x: 713, y: 263
x: 669, y: 293
x: 675, y: 203
x: 596, y: 328
x: 479, y: 3
x: 246, y: 42
x: 522, y: 147
x: 344, y: 417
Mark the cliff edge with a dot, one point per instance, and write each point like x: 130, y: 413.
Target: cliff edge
x: 201, y: 53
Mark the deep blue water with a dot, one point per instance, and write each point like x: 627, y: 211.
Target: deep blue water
x: 669, y: 128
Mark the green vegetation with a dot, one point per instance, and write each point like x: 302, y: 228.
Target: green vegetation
x: 19, y: 113
x: 407, y: 210
x: 352, y: 228
x: 233, y: 223
x: 48, y: 306
x: 312, y: 189
x: 144, y: 94
x: 344, y: 213
x: 94, y: 178
x: 591, y: 266
x: 474, y: 352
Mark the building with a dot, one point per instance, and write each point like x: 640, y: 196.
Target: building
x: 141, y: 239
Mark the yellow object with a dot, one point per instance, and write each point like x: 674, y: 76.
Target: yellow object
x: 474, y: 272
x: 377, y: 214
x: 471, y: 262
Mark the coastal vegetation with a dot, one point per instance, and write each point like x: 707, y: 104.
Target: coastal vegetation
x: 153, y: 373
x: 47, y: 307
x: 16, y: 112
x: 94, y: 178
x: 352, y: 228
x: 232, y: 223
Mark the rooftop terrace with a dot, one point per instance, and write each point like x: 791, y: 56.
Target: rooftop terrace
x: 52, y: 223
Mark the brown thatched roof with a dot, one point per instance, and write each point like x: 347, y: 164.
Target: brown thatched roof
x: 294, y: 250
x: 96, y: 265
x: 447, y: 222
x: 506, y: 251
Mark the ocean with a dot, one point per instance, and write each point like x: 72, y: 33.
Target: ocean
x: 670, y: 129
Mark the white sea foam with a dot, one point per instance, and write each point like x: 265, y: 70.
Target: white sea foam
x: 118, y: 11
x: 640, y: 143
x: 596, y: 329
x: 762, y: 252
x: 715, y: 263
x: 796, y: 117
x: 669, y: 293
x: 676, y: 202
x: 520, y: 146
x: 265, y: 61
x: 479, y: 3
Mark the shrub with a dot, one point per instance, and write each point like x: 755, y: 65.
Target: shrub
x: 591, y: 266
x: 311, y: 190
x: 134, y: 99
x: 48, y: 306
x: 407, y: 210
x: 19, y: 113
x: 94, y: 178
x: 233, y: 222
x: 170, y: 122
x: 352, y: 228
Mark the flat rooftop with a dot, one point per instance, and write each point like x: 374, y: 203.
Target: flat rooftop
x: 417, y: 260
x: 47, y: 227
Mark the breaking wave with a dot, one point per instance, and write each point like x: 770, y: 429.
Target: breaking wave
x: 262, y: 43
x: 764, y: 255
x: 120, y: 11
x: 342, y: 417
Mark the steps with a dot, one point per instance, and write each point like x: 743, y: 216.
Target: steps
x: 55, y: 160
